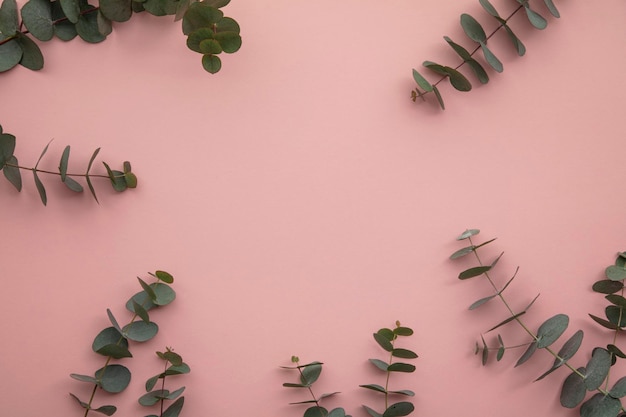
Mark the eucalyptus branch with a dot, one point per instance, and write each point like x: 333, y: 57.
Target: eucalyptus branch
x: 308, y: 375
x: 475, y: 32
x: 591, y: 378
x: 174, y: 365
x: 120, y: 180
x: 113, y: 342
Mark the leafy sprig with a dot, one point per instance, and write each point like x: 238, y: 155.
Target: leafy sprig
x: 209, y: 32
x: 476, y: 33
x: 120, y: 180
x: 113, y: 341
x: 593, y: 377
x: 386, y: 339
x: 174, y: 365
x: 308, y: 374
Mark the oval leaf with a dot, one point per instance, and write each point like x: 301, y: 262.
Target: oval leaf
x: 399, y: 409
x: 551, y: 330
x: 140, y: 331
x: 113, y: 378
x: 573, y: 391
x: 597, y: 368
x: 473, y: 29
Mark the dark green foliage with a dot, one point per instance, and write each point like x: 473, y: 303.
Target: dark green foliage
x: 308, y: 375
x: 174, y: 365
x: 11, y: 168
x: 476, y: 33
x: 386, y: 339
x: 66, y: 19
x: 113, y: 343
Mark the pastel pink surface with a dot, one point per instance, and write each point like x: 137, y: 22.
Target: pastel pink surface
x: 302, y: 201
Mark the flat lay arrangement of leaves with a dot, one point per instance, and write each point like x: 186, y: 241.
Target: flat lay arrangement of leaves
x: 386, y: 339
x: 594, y: 376
x: 113, y: 344
x: 174, y: 365
x: 9, y: 165
x: 476, y: 33
x: 208, y: 31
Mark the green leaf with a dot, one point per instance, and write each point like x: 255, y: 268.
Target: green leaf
x: 492, y: 60
x: 573, y: 391
x: 473, y: 29
x: 148, y: 289
x: 108, y: 336
x: 383, y: 366
x: 10, y: 55
x: 7, y: 147
x: 462, y: 252
x: 310, y: 373
x: 164, y: 293
x: 615, y: 273
x: 141, y: 312
x: 607, y: 286
x: 93, y: 157
x: 82, y: 403
x: 474, y: 65
x: 372, y: 412
x: 164, y: 276
x: 489, y: 8
x: 618, y: 300
x: 151, y: 382
x: 12, y: 173
x: 383, y: 342
x: 211, y: 63
x: 468, y: 233
x: 507, y: 320
x: 457, y: 79
x: 64, y: 163
x: 619, y: 388
x: 116, y: 177
x: 421, y: 81
x: 399, y: 409
x: 174, y: 409
x: 600, y: 406
x: 142, y: 299
x: 113, y: 378
x: 401, y: 367
x: 374, y: 387
x: 386, y: 333
x: 114, y: 322
x: 439, y: 98
x: 551, y: 330
x: 198, y: 36
x: 115, y: 351
x: 107, y: 410
x: 175, y: 394
x: 603, y: 322
x: 532, y: 348
x: 570, y: 347
x: 217, y: 3
x: 84, y: 378
x: 105, y: 26
x: 9, y: 21
x: 403, y: 353
x: 406, y: 392
x: 614, y: 350
x: 517, y: 43
x: 88, y: 29
x: 337, y: 412
x: 140, y: 331
x: 40, y: 188
x: 63, y: 29
x: 616, y: 315
x: 71, y: 9
x: 535, y: 18
x: 474, y: 272
x: 200, y: 15
x: 153, y: 397
x: 482, y: 301
x: 116, y: 10
x: 597, y: 368
x: 316, y: 411
x: 230, y: 42
x: 552, y: 8
x: 73, y: 185
x: 37, y: 17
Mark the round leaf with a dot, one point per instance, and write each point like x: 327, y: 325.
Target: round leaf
x: 71, y: 9
x: 10, y: 55
x: 211, y: 63
x: 88, y: 29
x: 615, y: 273
x: 600, y: 406
x: 8, y: 17
x: 113, y: 378
x: 200, y: 15
x: 108, y: 336
x: 164, y: 293
x: 140, y: 331
x: 230, y: 42
x: 399, y: 409
x: 37, y: 17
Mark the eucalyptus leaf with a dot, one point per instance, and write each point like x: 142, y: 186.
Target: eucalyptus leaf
x: 116, y: 10
x: 517, y: 43
x: 200, y: 15
x: 383, y: 342
x: 374, y: 387
x: 211, y: 63
x: 10, y: 55
x: 535, y: 18
x: 372, y: 412
x: 615, y: 273
x: 9, y: 21
x: 310, y: 374
x: 474, y: 272
x: 140, y: 331
x: 468, y: 233
x: 71, y: 9
x: 65, y: 156
x: 597, y: 368
x: 73, y: 185
x: 88, y: 29
x: 532, y: 348
x: 113, y: 378
x: 40, y: 188
x: 489, y: 8
x: 473, y: 29
x: 12, y: 173
x: 616, y: 315
x: 507, y: 320
x: 604, y: 323
x: 316, y: 411
x: 37, y: 17
x: 482, y: 301
x: 617, y: 300
x: 230, y: 42
x: 551, y: 330
x: 492, y: 60
x: 399, y: 409
x: 401, y: 367
x: 174, y: 409
x: 439, y: 97
x: 600, y: 406
x: 383, y: 366
x: 115, y: 351
x: 619, y: 388
x: 570, y: 347
x: 403, y: 353
x: 607, y: 286
x: 109, y: 336
x: 164, y: 276
x: 573, y: 390
x: 421, y: 81
x: 462, y: 252
x: 164, y: 293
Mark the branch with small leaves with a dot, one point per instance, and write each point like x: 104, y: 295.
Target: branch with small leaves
x: 308, y: 374
x: 113, y: 342
x: 174, y: 365
x: 475, y: 32
x: 120, y: 180
x: 208, y: 31
x: 605, y: 402
x: 386, y: 339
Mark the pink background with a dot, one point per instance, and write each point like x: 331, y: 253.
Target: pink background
x: 302, y: 201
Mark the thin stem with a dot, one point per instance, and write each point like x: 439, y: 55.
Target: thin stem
x: 163, y: 386
x: 502, y: 24
x: 388, y: 376
x: 43, y: 171
x: 317, y: 404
